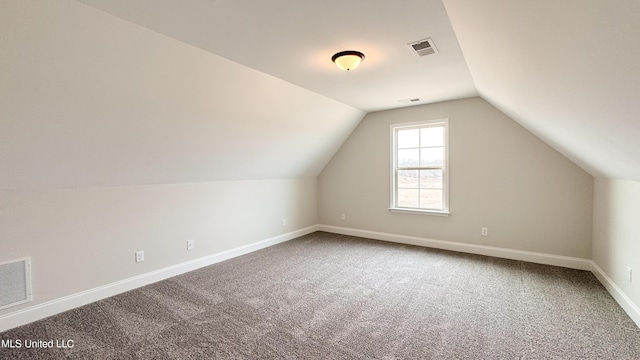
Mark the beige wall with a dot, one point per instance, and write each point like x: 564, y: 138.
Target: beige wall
x: 502, y: 177
x: 79, y: 239
x: 616, y: 232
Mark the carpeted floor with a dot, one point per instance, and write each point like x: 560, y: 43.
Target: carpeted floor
x: 339, y: 297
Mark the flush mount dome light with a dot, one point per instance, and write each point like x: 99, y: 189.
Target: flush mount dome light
x: 347, y: 60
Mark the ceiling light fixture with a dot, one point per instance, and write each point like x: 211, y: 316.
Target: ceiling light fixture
x: 347, y: 60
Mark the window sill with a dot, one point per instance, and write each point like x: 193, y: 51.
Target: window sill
x: 420, y: 212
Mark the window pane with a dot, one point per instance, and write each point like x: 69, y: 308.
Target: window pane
x: 432, y: 156
x: 420, y: 176
x: 431, y: 179
x: 431, y: 199
x: 409, y: 157
x: 408, y: 179
x: 432, y: 136
x: 408, y: 198
x: 408, y: 138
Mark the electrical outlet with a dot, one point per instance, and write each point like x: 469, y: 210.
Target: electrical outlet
x: 484, y: 231
x: 191, y: 244
x: 139, y: 256
x: 629, y: 274
x: 343, y: 217
x: 284, y: 222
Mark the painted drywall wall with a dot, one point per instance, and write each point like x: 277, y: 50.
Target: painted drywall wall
x: 528, y: 195
x: 616, y: 232
x: 88, y: 99
x: 83, y: 238
x: 573, y: 97
x: 115, y: 139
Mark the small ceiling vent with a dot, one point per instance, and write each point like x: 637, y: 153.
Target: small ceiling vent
x: 423, y: 47
x: 410, y: 101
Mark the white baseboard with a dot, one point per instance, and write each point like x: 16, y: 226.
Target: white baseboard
x: 53, y: 307
x: 529, y: 256
x: 49, y: 308
x: 569, y: 262
x: 625, y: 302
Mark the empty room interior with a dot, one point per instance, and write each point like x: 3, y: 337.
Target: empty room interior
x: 320, y: 179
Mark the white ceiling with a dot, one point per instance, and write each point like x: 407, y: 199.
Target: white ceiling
x: 568, y: 70
x: 89, y: 99
x: 294, y: 40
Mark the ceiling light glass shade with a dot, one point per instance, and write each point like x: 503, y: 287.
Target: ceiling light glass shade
x: 347, y: 60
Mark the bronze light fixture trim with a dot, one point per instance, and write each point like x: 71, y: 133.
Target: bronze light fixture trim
x: 347, y: 60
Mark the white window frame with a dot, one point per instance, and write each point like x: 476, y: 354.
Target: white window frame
x: 445, y: 168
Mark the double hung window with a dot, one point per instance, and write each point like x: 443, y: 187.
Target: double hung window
x: 420, y: 167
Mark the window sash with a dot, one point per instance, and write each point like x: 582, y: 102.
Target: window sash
x: 419, y: 189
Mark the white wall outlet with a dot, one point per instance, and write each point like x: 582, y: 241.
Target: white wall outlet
x: 139, y: 256
x: 484, y: 231
x: 343, y: 217
x: 191, y: 244
x: 629, y: 274
x: 284, y: 222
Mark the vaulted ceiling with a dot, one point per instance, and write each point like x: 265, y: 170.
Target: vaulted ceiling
x: 294, y: 41
x: 152, y: 91
x: 89, y: 99
x: 569, y: 71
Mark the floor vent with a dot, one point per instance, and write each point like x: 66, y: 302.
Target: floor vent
x: 15, y: 282
x: 423, y: 47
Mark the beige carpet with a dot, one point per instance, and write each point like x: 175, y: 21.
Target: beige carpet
x: 326, y: 296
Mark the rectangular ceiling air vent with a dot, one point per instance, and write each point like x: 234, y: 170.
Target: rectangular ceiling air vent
x: 410, y: 101
x: 423, y: 47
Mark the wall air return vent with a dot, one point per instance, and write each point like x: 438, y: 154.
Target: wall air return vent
x: 423, y: 47
x: 15, y: 282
